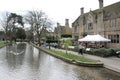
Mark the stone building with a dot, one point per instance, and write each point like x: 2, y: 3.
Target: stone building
x: 104, y: 21
x: 60, y: 30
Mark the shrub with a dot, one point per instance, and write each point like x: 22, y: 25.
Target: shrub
x: 116, y: 49
x: 101, y: 52
x: 76, y: 48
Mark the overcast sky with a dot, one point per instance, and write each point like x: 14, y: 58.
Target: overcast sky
x: 57, y: 10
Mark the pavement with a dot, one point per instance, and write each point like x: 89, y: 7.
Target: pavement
x: 112, y: 63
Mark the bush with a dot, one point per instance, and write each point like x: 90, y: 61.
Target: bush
x: 89, y: 52
x: 101, y: 52
x: 116, y: 49
x: 76, y: 48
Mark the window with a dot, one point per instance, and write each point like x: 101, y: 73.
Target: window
x: 117, y: 38
x: 90, y: 26
x: 114, y: 38
x: 113, y: 23
x: 75, y: 29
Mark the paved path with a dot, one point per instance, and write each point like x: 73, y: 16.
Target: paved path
x: 112, y: 63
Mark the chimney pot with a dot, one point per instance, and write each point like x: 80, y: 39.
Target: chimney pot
x: 82, y: 10
x: 100, y: 4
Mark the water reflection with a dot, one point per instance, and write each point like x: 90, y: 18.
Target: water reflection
x: 33, y: 57
x: 15, y: 54
x: 34, y: 64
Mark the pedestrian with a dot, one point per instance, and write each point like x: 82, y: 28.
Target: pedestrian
x: 81, y: 51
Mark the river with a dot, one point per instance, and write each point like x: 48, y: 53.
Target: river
x: 22, y: 61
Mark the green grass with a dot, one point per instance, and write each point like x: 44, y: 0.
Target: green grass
x: 2, y: 43
x: 72, y: 56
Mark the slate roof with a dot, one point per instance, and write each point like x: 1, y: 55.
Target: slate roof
x: 112, y: 11
x: 109, y: 12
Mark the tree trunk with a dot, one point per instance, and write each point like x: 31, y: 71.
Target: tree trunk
x: 39, y: 42
x: 49, y: 45
x: 66, y: 48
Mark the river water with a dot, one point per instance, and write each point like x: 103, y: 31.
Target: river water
x: 22, y: 61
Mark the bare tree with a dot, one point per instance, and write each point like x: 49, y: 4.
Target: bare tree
x: 4, y: 23
x: 38, y: 21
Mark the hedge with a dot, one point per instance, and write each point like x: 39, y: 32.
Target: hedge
x: 103, y: 52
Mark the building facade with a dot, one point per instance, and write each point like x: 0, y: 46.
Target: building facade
x: 60, y: 30
x: 104, y: 21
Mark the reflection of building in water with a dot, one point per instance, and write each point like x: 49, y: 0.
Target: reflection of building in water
x: 104, y: 21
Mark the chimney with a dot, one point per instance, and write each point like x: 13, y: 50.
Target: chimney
x: 82, y: 10
x: 100, y: 4
x: 67, y: 27
x: 58, y: 24
x: 67, y: 22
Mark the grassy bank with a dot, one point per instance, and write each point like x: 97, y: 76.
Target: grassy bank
x: 71, y: 56
x: 68, y: 55
x: 3, y: 43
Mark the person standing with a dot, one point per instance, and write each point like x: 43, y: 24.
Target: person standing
x: 81, y: 49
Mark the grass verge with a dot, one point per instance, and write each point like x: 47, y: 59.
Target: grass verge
x: 3, y: 43
x: 72, y: 56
